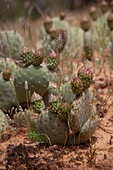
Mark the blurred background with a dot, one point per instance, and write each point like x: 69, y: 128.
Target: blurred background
x: 13, y: 9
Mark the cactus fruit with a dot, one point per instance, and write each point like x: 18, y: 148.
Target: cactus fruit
x: 26, y: 55
x: 61, y: 40
x: 37, y: 103
x: 86, y: 76
x: 110, y: 21
x: 85, y: 24
x: 10, y: 64
x: 53, y: 60
x: 54, y: 104
x: 50, y: 124
x: 6, y: 74
x: 11, y: 44
x: 93, y: 13
x: 7, y: 95
x: 36, y: 78
x: 87, y: 130
x: 62, y: 15
x: 53, y: 32
x: 77, y: 85
x: 38, y: 57
x: 81, y: 110
x: 4, y: 121
x: 103, y: 6
x: 48, y: 23
x: 67, y: 94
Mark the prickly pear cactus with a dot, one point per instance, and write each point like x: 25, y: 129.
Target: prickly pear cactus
x: 50, y: 124
x: 88, y: 46
x: 87, y: 130
x: 11, y: 44
x: 36, y: 79
x: 81, y: 110
x: 4, y: 121
x: 7, y: 95
x: 10, y: 64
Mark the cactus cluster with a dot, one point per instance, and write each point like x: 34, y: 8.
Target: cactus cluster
x: 59, y: 109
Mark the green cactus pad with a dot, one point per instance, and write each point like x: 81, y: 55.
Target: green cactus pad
x: 81, y: 110
x: 36, y: 78
x: 7, y: 95
x: 50, y: 124
x: 11, y: 44
x: 86, y: 132
x: 67, y: 94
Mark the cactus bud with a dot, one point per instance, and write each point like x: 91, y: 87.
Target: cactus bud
x: 93, y: 13
x: 64, y: 111
x: 111, y: 6
x: 53, y: 32
x: 103, y: 6
x: 37, y: 103
x: 48, y: 24
x: 6, y: 74
x: 53, y: 60
x: 62, y: 15
x: 85, y: 24
x: 54, y: 104
x: 38, y: 57
x: 86, y: 76
x: 77, y: 86
x: 26, y: 55
x: 110, y: 21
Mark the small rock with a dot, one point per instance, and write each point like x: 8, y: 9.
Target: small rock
x: 104, y: 84
x: 97, y: 86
